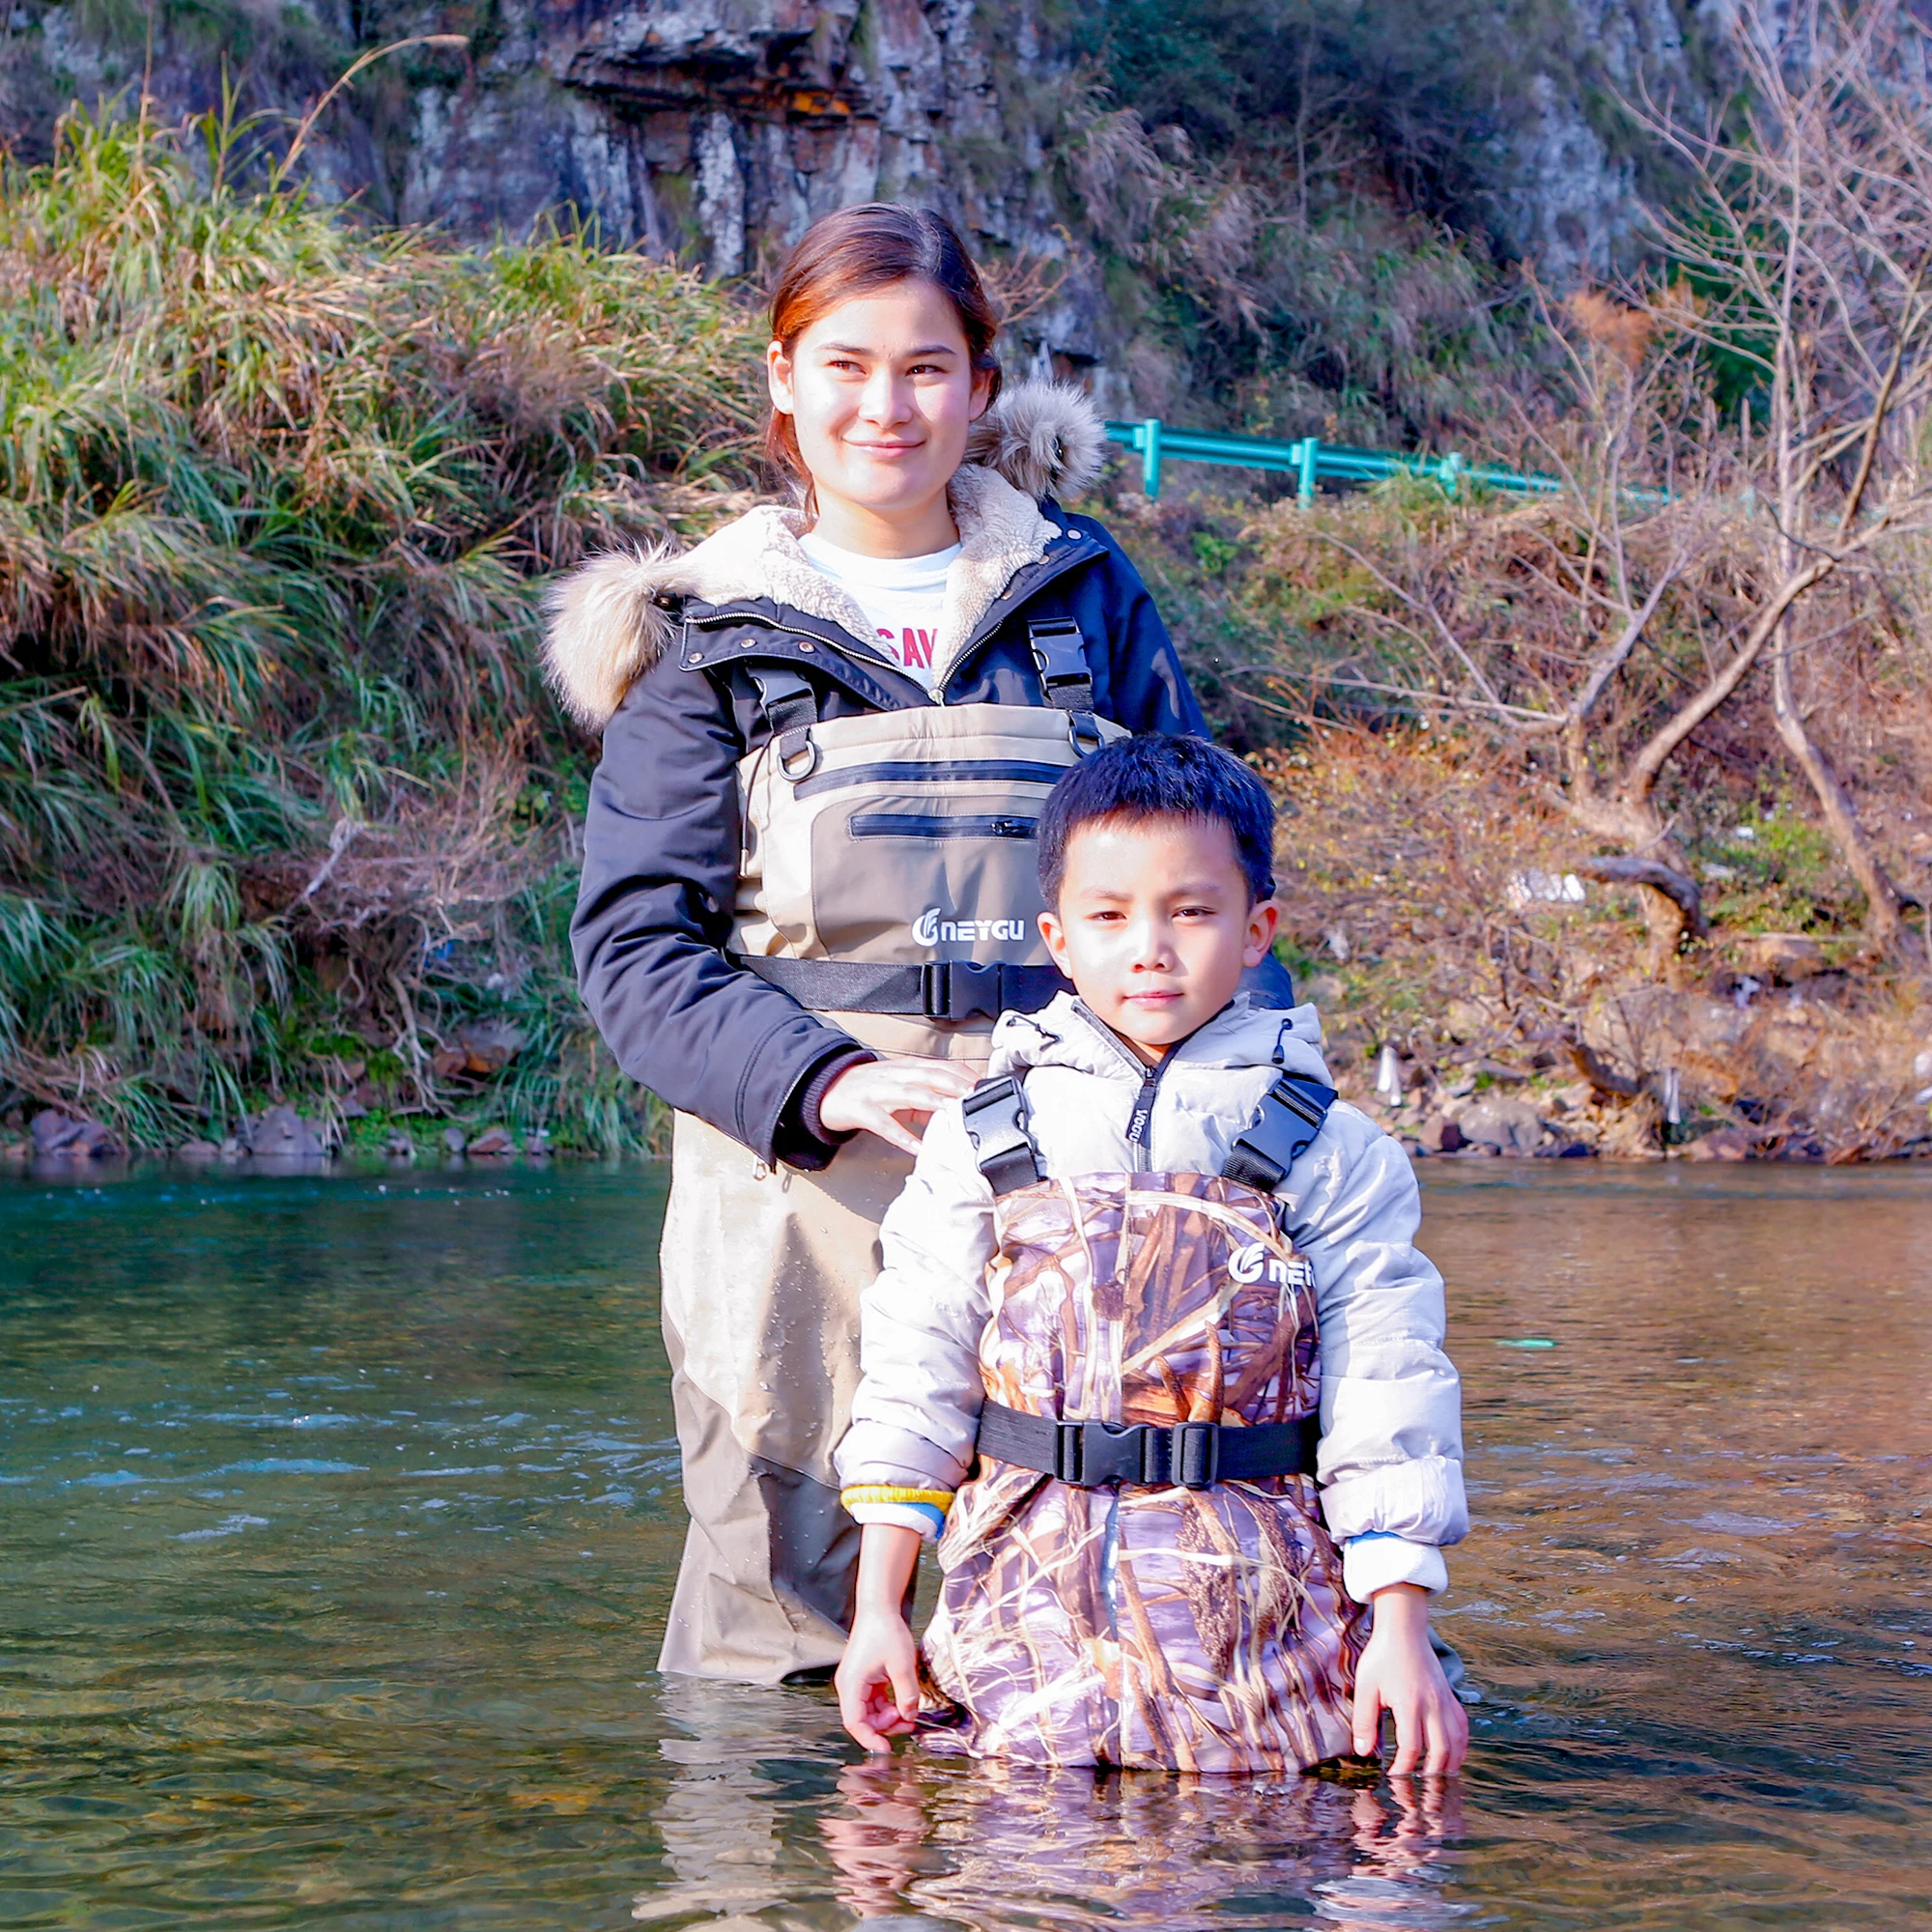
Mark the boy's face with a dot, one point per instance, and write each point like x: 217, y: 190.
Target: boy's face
x: 1154, y: 926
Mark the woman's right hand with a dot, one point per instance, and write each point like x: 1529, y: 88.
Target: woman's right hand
x: 893, y: 1098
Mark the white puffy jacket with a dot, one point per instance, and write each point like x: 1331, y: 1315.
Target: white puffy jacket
x: 1390, y: 1469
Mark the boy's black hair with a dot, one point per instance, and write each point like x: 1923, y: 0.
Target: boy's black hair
x: 1158, y: 777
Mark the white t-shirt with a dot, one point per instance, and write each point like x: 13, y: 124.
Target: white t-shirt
x: 901, y: 596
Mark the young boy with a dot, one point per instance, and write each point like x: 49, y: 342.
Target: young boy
x: 1144, y: 1272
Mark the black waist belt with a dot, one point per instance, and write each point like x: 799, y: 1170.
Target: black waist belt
x: 1196, y: 1454
x: 942, y: 990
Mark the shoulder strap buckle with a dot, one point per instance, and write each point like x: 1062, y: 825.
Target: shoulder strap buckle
x: 791, y: 709
x: 995, y: 1116
x: 1060, y: 653
x: 1290, y: 1116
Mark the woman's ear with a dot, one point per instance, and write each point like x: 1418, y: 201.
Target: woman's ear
x: 982, y: 395
x: 777, y: 379
x: 1264, y: 917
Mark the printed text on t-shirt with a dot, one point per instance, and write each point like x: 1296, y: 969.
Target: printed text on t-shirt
x: 913, y: 648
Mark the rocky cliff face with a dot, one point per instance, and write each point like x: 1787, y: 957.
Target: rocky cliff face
x: 716, y: 130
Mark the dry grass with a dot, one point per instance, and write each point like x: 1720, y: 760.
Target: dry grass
x: 1404, y: 856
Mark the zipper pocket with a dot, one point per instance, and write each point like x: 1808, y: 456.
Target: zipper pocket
x: 925, y: 825
x: 933, y: 771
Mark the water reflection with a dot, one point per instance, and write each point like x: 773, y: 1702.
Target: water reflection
x: 746, y: 1829
x: 1015, y: 1845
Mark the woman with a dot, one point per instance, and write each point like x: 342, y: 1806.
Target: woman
x: 809, y: 879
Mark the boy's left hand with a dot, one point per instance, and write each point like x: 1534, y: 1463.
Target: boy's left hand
x: 1398, y: 1674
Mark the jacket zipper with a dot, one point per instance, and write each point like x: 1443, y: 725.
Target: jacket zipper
x: 1139, y: 1140
x: 1141, y: 1121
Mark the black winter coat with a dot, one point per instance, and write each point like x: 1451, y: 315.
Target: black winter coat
x: 662, y: 839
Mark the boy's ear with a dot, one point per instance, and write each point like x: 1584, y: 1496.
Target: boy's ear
x: 1263, y: 918
x: 1055, y: 934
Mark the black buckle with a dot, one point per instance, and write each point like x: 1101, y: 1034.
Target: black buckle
x: 1285, y: 1125
x: 1089, y: 1454
x: 955, y: 989
x: 1195, y: 1458
x: 1060, y: 655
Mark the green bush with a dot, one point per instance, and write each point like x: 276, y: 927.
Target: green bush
x: 278, y: 495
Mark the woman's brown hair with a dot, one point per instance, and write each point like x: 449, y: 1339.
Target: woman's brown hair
x: 855, y: 251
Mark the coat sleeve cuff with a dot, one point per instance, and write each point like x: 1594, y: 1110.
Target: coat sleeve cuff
x: 1378, y: 1560
x: 801, y: 1140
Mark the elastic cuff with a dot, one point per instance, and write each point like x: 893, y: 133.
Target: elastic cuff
x: 895, y: 1493
x: 925, y: 1517
x: 816, y: 1088
x: 800, y: 1139
x: 1378, y: 1559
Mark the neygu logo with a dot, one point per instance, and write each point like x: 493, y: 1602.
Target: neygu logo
x: 936, y: 926
x: 1257, y: 1261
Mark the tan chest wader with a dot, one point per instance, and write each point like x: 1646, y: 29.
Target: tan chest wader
x: 888, y: 881
x: 1137, y: 1574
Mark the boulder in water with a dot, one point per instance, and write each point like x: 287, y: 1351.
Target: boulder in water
x: 63, y: 1135
x: 282, y: 1134
x: 1510, y: 1126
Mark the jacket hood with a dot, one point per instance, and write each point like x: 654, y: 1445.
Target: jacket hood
x: 610, y: 618
x: 1063, y: 1033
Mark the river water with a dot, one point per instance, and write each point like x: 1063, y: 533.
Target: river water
x: 340, y: 1516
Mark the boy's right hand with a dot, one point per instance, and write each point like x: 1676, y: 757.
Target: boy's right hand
x: 877, y: 1680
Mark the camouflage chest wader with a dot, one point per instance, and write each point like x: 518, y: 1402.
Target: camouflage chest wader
x: 1167, y: 1597
x: 888, y: 881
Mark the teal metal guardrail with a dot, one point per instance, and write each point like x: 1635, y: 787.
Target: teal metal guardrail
x: 1310, y: 460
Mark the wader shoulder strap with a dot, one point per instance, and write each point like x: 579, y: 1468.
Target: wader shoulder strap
x: 995, y: 1113
x: 791, y: 709
x: 1060, y: 653
x: 1290, y: 1116
x: 1196, y: 1454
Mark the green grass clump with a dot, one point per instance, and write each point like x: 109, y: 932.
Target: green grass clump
x: 276, y: 496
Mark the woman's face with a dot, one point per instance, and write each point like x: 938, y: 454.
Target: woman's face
x: 881, y: 392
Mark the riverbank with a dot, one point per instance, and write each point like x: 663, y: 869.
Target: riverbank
x: 290, y: 831
x: 1445, y: 901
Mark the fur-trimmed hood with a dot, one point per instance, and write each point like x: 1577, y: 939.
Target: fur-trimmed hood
x: 612, y: 618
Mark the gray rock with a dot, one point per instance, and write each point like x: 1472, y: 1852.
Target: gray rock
x: 197, y: 1151
x: 488, y: 1045
x: 1510, y: 1126
x: 56, y: 1133
x: 282, y: 1134
x: 399, y: 1146
x: 454, y: 1139
x: 1440, y: 1135
x: 493, y: 1141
